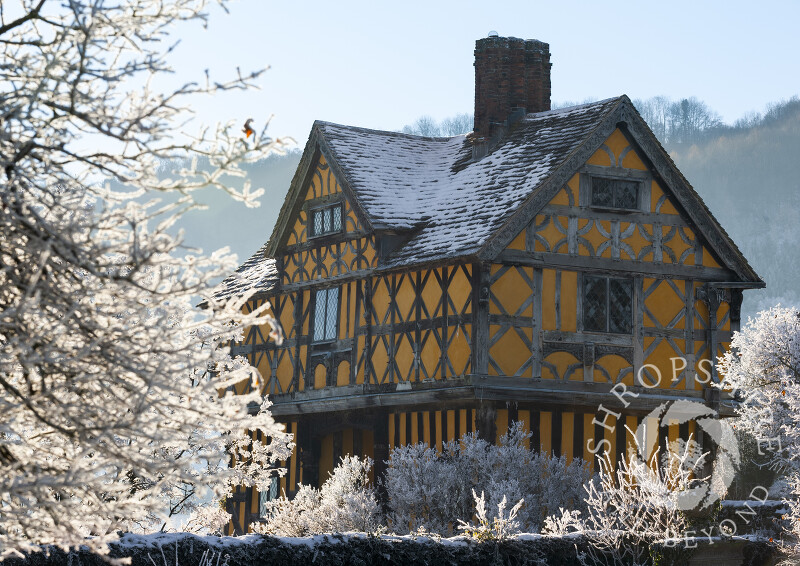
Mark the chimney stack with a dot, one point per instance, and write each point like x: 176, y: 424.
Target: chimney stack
x: 512, y: 78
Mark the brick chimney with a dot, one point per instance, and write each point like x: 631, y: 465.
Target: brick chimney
x: 512, y: 78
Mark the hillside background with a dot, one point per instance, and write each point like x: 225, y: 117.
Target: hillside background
x: 746, y: 173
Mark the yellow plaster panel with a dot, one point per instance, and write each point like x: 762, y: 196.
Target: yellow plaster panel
x: 405, y: 298
x: 676, y: 243
x: 518, y: 243
x: 404, y: 358
x: 556, y: 238
x: 594, y: 237
x: 432, y: 295
x: 510, y: 352
x: 326, y: 459
x: 459, y: 351
x: 285, y: 372
x: 708, y: 259
x: 617, y: 142
x: 320, y: 373
x: 343, y: 373
x: 380, y: 298
x: 569, y: 305
x: 701, y: 315
x: 549, y: 299
x: 722, y: 310
x: 613, y: 365
x: 633, y: 161
x: 511, y: 290
x: 664, y: 303
x: 430, y: 357
x: 635, y: 241
x: 655, y: 194
x: 562, y: 197
x: 380, y: 358
x: 661, y: 358
x: 460, y: 289
x: 562, y: 362
x: 600, y: 158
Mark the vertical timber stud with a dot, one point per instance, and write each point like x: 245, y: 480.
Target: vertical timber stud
x: 638, y: 328
x: 480, y: 318
x: 536, y: 337
x: 309, y: 449
x: 381, y: 453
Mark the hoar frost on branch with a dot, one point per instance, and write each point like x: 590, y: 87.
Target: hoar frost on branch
x: 762, y: 373
x: 112, y: 386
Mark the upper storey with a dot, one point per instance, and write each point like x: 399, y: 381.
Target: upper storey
x: 587, y: 181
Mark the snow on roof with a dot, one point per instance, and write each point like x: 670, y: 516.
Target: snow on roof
x: 258, y: 273
x: 433, y: 189
x: 404, y: 182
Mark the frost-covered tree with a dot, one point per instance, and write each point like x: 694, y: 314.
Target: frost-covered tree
x: 113, y: 388
x: 762, y: 372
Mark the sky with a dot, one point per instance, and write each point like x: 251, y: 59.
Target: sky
x: 384, y: 64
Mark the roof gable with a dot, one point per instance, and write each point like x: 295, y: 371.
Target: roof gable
x: 625, y: 118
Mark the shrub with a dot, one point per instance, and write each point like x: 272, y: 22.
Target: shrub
x: 426, y: 488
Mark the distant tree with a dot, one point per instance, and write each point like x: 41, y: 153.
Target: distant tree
x: 424, y: 126
x: 689, y: 119
x: 429, y: 127
x: 656, y: 112
x: 458, y: 124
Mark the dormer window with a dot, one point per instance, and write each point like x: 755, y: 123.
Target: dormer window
x: 326, y: 220
x: 621, y: 194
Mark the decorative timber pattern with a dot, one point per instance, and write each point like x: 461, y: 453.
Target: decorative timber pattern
x: 426, y: 291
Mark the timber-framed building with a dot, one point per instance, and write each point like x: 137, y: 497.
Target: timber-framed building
x: 429, y: 287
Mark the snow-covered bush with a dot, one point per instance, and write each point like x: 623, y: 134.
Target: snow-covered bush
x: 435, y: 490
x: 498, y: 528
x: 632, y: 506
x: 345, y: 502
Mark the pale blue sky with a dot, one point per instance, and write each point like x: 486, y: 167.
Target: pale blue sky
x: 382, y: 65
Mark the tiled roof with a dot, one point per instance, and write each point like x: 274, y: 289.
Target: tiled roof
x: 405, y: 182
x: 258, y: 273
x: 449, y: 205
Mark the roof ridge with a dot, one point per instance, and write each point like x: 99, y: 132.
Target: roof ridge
x: 393, y: 133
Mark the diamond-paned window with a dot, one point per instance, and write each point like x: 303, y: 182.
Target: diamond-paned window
x: 327, y: 220
x: 326, y: 314
x: 607, y: 304
x: 615, y: 193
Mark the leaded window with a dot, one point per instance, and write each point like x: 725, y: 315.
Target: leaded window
x: 326, y: 314
x: 607, y: 304
x: 326, y: 220
x: 615, y: 193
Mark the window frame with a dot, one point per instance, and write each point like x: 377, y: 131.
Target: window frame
x: 629, y: 283
x: 322, y: 208
x: 329, y: 334
x: 638, y: 183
